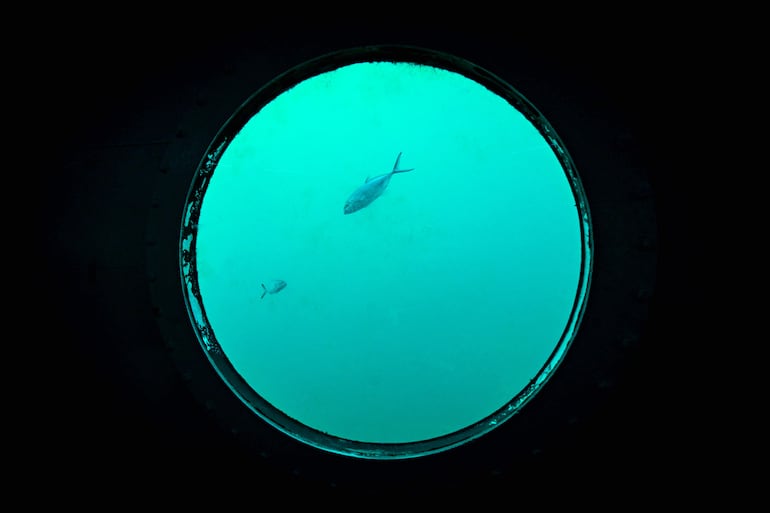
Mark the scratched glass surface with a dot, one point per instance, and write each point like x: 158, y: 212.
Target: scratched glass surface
x: 429, y: 305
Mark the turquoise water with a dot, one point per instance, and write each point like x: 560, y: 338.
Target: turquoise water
x: 425, y: 311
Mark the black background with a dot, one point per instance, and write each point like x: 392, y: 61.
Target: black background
x: 115, y: 408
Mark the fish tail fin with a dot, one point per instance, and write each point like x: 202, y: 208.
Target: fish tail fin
x: 264, y: 291
x: 395, y: 166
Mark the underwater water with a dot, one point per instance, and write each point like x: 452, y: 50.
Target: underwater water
x: 426, y: 310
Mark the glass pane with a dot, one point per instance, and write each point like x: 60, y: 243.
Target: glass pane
x: 387, y: 258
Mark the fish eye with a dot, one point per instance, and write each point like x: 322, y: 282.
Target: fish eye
x: 433, y: 319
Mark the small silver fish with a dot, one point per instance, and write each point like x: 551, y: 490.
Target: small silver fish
x: 274, y: 287
x: 371, y: 189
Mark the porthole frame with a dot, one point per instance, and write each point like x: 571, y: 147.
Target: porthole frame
x: 523, y: 437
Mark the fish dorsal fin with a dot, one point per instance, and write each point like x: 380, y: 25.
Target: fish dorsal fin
x: 367, y: 179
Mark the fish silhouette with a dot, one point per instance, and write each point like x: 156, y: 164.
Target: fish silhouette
x: 274, y: 287
x: 371, y: 189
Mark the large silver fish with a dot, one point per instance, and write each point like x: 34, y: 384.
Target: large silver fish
x: 371, y: 189
x: 273, y: 287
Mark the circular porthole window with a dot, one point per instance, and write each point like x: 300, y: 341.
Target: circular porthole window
x: 386, y: 252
